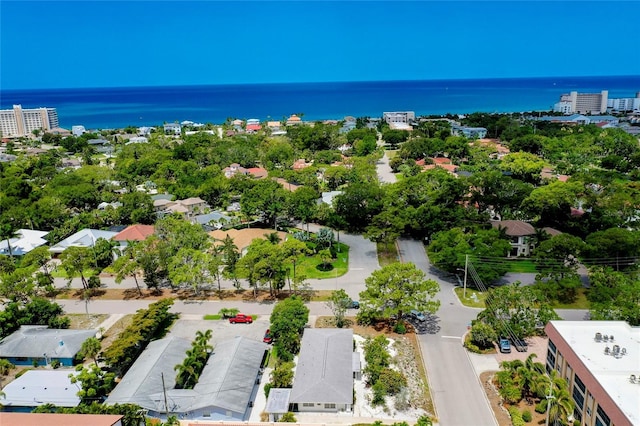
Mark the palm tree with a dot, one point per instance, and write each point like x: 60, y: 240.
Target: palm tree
x: 128, y: 265
x: 90, y: 349
x: 530, y: 373
x: 7, y: 232
x: 556, y: 400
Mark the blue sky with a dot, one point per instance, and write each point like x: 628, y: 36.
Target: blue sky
x: 54, y: 44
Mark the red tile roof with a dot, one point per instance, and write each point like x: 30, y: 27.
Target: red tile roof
x: 258, y: 172
x: 54, y: 419
x: 134, y: 233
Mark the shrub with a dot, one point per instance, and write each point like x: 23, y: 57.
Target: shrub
x: 392, y: 380
x: 288, y: 417
x: 540, y: 408
x: 576, y: 422
x: 470, y: 346
x: 55, y: 364
x: 5, y: 367
x: 527, y: 416
x: 267, y: 388
x: 379, y: 392
x: 400, y: 328
x: 511, y: 393
x: 483, y: 335
x: 60, y: 322
x: 516, y: 417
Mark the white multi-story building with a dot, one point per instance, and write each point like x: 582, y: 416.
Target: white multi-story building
x: 399, y: 116
x: 78, y: 130
x: 625, y: 104
x: 22, y: 122
x: 582, y: 103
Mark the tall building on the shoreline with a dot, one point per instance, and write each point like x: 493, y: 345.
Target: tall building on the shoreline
x: 22, y: 122
x: 583, y: 103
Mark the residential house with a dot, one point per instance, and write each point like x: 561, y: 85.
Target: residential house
x: 172, y: 129
x: 210, y: 221
x: 323, y: 380
x: 291, y: 187
x: 133, y: 233
x: 83, y: 238
x: 301, y: 163
x: 55, y: 419
x: 38, y: 343
x: 225, y: 390
x: 25, y: 241
x: 520, y: 234
x: 600, y: 360
x: 469, y: 132
x: 328, y: 197
x: 39, y: 387
x: 242, y: 238
x: 137, y: 139
x: 78, y: 130
x: 294, y: 120
x: 233, y: 170
x: 194, y: 205
x: 258, y: 172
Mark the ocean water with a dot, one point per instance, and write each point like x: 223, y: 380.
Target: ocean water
x: 103, y: 108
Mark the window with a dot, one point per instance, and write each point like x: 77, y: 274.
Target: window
x: 206, y: 414
x: 579, y: 383
x: 602, y: 415
x: 578, y: 397
x: 552, y: 347
x: 307, y: 404
x: 330, y: 406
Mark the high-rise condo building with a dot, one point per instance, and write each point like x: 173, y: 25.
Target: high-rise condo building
x: 583, y: 103
x: 22, y: 122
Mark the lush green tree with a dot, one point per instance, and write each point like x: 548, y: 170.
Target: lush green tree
x: 231, y: 256
x: 616, y: 247
x: 339, y: 302
x: 394, y: 137
x: 17, y: 286
x: 517, y: 311
x: 75, y: 261
x: 137, y: 207
x: 95, y: 383
x: 560, y: 404
x: 483, y: 335
x: 557, y: 262
x: 396, y: 289
x: 282, y: 375
x: 301, y: 204
x: 385, y: 228
x: 128, y: 264
x: 448, y: 251
x: 189, y: 267
x: 358, y: 204
x: 288, y: 319
x: 552, y: 203
x: 90, y: 349
x: 491, y: 189
x: 267, y: 199
x: 523, y: 166
x: 614, y: 296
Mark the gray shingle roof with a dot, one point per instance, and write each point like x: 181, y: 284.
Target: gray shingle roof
x: 227, y: 380
x: 32, y: 341
x: 324, y: 373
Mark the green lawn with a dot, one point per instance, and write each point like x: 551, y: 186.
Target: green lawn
x: 309, y: 265
x: 470, y: 300
x: 387, y: 254
x: 580, y: 303
x: 212, y: 317
x: 521, y: 266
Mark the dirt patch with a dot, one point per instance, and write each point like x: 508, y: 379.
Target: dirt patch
x: 184, y: 294
x: 86, y: 322
x: 500, y: 410
x: 114, y: 331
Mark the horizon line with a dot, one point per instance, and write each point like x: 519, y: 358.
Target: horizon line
x: 323, y: 82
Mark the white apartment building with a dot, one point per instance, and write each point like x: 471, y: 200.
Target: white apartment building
x: 399, y: 116
x: 625, y: 104
x: 22, y: 122
x: 582, y: 103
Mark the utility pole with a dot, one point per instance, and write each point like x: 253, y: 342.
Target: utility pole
x: 466, y: 268
x: 164, y: 390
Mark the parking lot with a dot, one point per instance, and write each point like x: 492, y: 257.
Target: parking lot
x: 221, y: 329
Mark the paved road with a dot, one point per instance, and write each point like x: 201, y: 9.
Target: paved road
x: 455, y: 387
x: 385, y: 175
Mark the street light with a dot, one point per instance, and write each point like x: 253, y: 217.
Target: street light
x: 549, y: 398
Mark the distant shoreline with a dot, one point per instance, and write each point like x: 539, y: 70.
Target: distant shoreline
x: 107, y: 108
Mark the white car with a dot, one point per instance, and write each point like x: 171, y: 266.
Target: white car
x: 417, y: 315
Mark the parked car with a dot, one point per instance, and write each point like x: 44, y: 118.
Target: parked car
x: 505, y: 345
x: 417, y: 315
x: 520, y: 345
x: 241, y: 318
x: 267, y: 337
x: 354, y: 304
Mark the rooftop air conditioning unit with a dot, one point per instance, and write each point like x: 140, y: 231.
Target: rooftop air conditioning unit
x: 598, y: 337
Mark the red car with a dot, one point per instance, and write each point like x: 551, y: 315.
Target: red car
x: 267, y: 337
x: 241, y: 318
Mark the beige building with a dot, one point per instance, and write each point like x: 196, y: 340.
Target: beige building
x: 601, y: 362
x: 583, y: 103
x: 21, y: 122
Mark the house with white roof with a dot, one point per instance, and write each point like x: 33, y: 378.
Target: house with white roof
x: 39, y: 387
x: 83, y: 238
x: 26, y: 241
